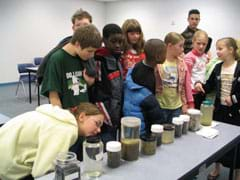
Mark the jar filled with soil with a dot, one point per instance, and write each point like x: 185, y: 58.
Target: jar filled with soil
x: 113, y: 153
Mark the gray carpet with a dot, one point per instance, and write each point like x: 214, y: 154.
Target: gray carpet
x: 11, y: 106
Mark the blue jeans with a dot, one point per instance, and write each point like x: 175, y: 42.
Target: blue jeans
x: 168, y: 114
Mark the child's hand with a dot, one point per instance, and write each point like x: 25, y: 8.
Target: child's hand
x: 184, y: 108
x: 89, y: 80
x: 228, y: 101
x: 198, y: 87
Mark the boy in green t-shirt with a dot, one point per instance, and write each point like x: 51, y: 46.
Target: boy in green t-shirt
x: 65, y: 80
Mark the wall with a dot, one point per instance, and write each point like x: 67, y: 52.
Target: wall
x: 158, y: 17
x: 32, y: 28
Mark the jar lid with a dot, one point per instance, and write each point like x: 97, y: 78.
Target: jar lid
x: 93, y: 139
x: 147, y: 137
x: 130, y: 121
x: 185, y: 117
x: 207, y: 102
x: 157, y: 128
x: 168, y: 127
x: 113, y: 146
x: 177, y: 121
x: 194, y: 111
x: 65, y: 157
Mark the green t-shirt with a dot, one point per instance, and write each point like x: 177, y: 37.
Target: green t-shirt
x: 64, y: 74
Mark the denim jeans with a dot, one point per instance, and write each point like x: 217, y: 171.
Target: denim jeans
x: 168, y: 114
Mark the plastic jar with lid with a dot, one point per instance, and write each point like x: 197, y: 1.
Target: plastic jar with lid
x: 157, y: 130
x: 207, y: 113
x: 186, y: 119
x: 148, y: 144
x: 178, y: 123
x: 168, y: 133
x: 113, y: 149
x: 67, y: 166
x: 194, y: 123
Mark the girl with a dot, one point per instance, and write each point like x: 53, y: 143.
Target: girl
x: 30, y: 142
x: 133, y: 44
x: 173, y: 88
x: 196, y: 61
x: 225, y: 79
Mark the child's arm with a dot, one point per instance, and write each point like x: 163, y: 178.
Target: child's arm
x: 89, y: 79
x: 54, y: 98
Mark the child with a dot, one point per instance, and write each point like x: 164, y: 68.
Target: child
x: 225, y: 79
x: 108, y: 87
x: 65, y: 80
x: 139, y: 87
x: 196, y: 61
x: 133, y: 44
x: 30, y: 142
x: 173, y: 89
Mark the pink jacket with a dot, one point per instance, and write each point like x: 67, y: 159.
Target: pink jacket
x: 184, y: 82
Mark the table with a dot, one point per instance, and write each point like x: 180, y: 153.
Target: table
x: 32, y: 70
x: 183, y: 159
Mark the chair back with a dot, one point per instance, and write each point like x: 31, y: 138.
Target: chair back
x: 22, y: 67
x: 38, y: 60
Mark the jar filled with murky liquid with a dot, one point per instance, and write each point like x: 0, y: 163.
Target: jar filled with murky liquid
x: 178, y: 123
x: 186, y: 119
x: 194, y: 123
x: 148, y: 144
x: 113, y: 153
x: 207, y: 113
x: 130, y: 130
x: 168, y: 134
x: 157, y: 131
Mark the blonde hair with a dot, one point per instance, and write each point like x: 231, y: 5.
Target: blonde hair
x: 132, y: 25
x: 231, y: 43
x: 200, y: 33
x: 238, y: 50
x: 173, y: 38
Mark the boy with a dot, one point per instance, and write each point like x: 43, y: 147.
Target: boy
x: 30, y: 142
x: 139, y: 87
x: 107, y: 90
x: 65, y: 79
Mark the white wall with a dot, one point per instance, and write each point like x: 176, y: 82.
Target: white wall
x: 31, y: 28
x: 158, y: 17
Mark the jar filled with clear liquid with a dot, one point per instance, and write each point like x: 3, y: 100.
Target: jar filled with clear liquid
x: 207, y: 113
x: 67, y: 166
x: 93, y: 156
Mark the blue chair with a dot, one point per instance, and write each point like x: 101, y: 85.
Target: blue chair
x: 23, y: 75
x: 38, y: 60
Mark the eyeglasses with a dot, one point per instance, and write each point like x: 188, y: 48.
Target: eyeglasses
x: 99, y: 123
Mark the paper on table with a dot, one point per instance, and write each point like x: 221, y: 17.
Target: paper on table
x: 208, y: 132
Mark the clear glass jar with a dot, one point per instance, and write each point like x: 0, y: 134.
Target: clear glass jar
x: 148, y: 145
x: 194, y: 123
x: 157, y: 131
x: 93, y: 156
x: 130, y: 130
x: 113, y: 153
x: 178, y: 123
x: 186, y: 119
x: 168, y: 134
x: 67, y: 166
x: 207, y: 113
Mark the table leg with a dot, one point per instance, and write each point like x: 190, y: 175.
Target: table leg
x: 38, y: 94
x: 233, y: 165
x: 29, y: 87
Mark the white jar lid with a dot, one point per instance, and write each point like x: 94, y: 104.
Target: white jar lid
x: 113, y: 146
x: 177, y: 121
x: 157, y: 128
x: 185, y: 117
x: 194, y: 112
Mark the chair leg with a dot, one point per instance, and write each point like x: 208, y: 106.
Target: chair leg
x: 24, y: 88
x: 17, y: 88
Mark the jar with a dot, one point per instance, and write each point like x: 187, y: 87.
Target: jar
x: 148, y: 145
x: 194, y: 123
x: 67, y: 166
x: 157, y: 130
x: 168, y: 134
x: 178, y: 123
x: 207, y: 113
x: 130, y: 130
x: 186, y: 119
x: 113, y: 153
x: 93, y: 156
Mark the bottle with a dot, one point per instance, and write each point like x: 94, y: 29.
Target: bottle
x: 149, y: 144
x: 178, y: 123
x: 207, y: 113
x: 195, y: 115
x: 93, y: 156
x: 157, y: 130
x: 67, y: 166
x: 168, y: 133
x: 113, y: 153
x: 186, y: 119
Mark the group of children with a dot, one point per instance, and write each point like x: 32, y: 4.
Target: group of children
x: 152, y: 80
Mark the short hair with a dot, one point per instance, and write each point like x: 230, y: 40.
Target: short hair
x: 87, y: 36
x: 173, y: 38
x: 153, y: 48
x: 193, y: 11
x: 110, y: 29
x: 81, y: 14
x: 132, y: 25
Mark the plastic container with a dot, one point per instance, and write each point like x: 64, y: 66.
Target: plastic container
x: 67, y: 166
x: 93, y: 156
x: 186, y: 119
x: 168, y: 133
x: 194, y: 123
x: 148, y: 145
x: 207, y: 113
x: 157, y: 131
x: 130, y: 130
x: 178, y: 123
x: 113, y: 149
